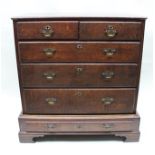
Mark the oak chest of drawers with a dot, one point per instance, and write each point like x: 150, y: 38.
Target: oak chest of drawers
x: 79, y: 76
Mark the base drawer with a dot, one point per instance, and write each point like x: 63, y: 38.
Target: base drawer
x: 78, y: 123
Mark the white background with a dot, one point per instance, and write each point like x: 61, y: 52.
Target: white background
x: 10, y: 105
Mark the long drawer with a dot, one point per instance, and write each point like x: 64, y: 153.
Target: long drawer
x: 79, y: 51
x: 78, y: 123
x: 79, y: 101
x: 79, y: 75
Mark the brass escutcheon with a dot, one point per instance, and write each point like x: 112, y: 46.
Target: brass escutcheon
x: 110, y: 31
x: 47, y: 31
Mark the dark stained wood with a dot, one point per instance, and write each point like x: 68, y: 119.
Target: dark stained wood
x: 88, y: 123
x: 33, y: 30
x: 125, y: 75
x: 70, y: 33
x: 78, y: 101
x: 95, y: 30
x: 140, y: 62
x: 79, y: 51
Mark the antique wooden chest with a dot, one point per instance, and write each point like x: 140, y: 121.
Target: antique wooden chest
x: 79, y: 76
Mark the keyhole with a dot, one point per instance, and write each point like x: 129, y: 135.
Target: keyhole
x: 78, y: 93
x: 110, y: 27
x: 48, y: 27
x: 79, y: 46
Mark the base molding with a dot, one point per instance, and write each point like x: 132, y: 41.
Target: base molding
x: 125, y: 126
x: 29, y: 137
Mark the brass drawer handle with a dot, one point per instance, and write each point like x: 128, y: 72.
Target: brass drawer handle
x: 107, y: 74
x: 47, y: 31
x: 51, y: 101
x: 107, y: 100
x: 79, y: 70
x: 110, y: 31
x: 49, y: 75
x: 107, y: 125
x: 49, y: 51
x: 109, y: 51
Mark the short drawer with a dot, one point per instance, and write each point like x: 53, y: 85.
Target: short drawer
x: 113, y: 30
x: 79, y: 101
x: 78, y: 123
x: 79, y: 51
x: 79, y: 75
x: 47, y: 30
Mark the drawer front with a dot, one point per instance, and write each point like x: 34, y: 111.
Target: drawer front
x: 110, y: 30
x: 79, y: 101
x: 79, y: 51
x: 47, y: 30
x: 79, y: 75
x: 61, y: 126
x: 78, y: 123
